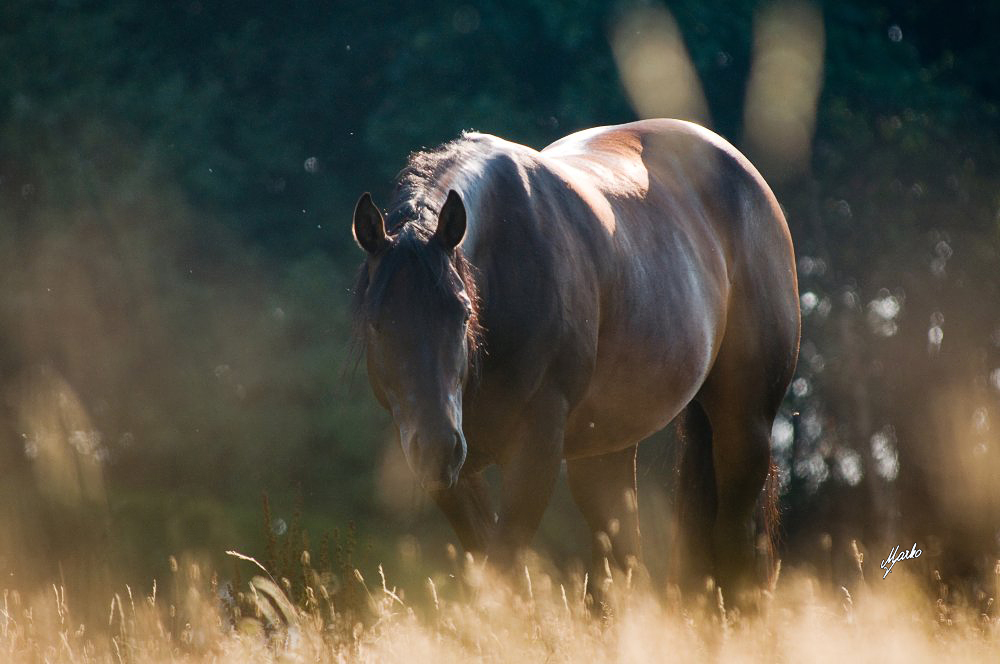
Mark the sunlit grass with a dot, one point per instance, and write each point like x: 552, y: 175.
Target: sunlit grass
x: 538, y: 615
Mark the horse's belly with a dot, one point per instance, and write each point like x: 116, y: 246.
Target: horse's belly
x: 636, y: 392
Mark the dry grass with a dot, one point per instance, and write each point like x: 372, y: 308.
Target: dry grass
x: 473, y: 616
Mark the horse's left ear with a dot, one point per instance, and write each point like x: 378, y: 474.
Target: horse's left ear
x: 451, y: 221
x: 369, y: 226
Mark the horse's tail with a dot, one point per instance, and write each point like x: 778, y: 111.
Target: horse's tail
x: 769, y: 522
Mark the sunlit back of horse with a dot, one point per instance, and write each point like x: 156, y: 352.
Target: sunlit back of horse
x: 522, y: 307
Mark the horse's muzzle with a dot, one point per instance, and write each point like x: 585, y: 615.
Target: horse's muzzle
x: 437, y: 459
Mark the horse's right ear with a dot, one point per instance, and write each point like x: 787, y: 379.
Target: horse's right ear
x: 369, y: 226
x: 451, y: 221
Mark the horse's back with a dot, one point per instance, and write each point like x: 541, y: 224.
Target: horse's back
x: 659, y: 151
x: 678, y: 183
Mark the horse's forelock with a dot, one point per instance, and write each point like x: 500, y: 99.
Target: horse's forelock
x: 410, y: 248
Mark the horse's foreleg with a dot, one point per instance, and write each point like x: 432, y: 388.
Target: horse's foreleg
x: 604, y: 488
x: 468, y: 508
x: 528, y: 475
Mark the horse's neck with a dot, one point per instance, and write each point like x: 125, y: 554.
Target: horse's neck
x: 471, y: 184
x: 479, y: 181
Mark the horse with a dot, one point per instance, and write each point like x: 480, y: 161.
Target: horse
x: 521, y: 308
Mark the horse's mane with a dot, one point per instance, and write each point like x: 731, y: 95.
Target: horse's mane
x: 419, y: 191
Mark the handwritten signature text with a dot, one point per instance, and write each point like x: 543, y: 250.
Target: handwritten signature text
x: 896, y: 555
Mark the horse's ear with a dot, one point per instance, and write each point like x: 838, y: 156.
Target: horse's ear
x: 369, y: 227
x: 451, y: 221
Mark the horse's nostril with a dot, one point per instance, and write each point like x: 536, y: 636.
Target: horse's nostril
x: 436, y: 456
x: 457, y: 453
x: 417, y: 452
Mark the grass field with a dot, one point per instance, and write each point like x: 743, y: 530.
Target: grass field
x: 469, y: 615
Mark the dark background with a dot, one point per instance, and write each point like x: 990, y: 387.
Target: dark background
x: 176, y: 184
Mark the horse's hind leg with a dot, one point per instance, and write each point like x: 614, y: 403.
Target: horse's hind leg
x: 604, y: 488
x: 741, y: 398
x: 696, y: 501
x: 741, y: 460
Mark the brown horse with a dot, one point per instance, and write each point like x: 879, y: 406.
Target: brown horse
x: 522, y: 307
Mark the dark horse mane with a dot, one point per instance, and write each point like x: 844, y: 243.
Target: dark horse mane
x: 419, y: 194
x: 410, y: 224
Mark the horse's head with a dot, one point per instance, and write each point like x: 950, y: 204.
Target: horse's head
x: 416, y: 308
